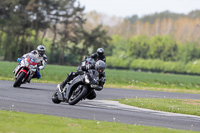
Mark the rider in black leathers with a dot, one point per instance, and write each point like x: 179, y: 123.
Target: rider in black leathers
x: 99, y: 57
x: 99, y: 66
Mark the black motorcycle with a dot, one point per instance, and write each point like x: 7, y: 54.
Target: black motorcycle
x: 78, y: 88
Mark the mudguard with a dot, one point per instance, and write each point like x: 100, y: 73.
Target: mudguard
x: 22, y: 70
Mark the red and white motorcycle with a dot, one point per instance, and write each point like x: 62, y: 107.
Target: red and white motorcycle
x: 25, y: 69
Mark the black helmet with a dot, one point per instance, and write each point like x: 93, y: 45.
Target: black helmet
x: 100, y: 66
x: 41, y: 49
x: 100, y: 51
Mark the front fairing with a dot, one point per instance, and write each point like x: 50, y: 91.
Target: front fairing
x: 30, y: 61
x: 28, y: 64
x: 79, y: 80
x: 92, y: 77
x: 73, y: 85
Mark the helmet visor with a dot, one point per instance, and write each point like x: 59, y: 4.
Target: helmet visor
x: 100, y: 70
x: 41, y: 52
x: 100, y: 53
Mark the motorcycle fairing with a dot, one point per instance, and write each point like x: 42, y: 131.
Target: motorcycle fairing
x: 74, y: 84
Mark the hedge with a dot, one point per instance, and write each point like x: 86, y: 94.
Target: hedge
x: 156, y: 65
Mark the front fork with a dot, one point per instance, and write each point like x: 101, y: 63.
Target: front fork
x: 18, y: 71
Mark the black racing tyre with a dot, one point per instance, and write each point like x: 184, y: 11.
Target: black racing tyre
x: 75, y: 98
x: 18, y: 81
x: 55, y: 98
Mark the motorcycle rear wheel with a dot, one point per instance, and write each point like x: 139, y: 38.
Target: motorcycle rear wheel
x: 18, y: 81
x: 82, y: 93
x: 55, y: 98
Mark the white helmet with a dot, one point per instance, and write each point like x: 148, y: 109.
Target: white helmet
x: 41, y: 49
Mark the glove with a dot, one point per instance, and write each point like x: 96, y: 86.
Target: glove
x: 103, y: 79
x: 83, y: 68
x: 19, y: 60
x: 98, y: 88
x: 37, y: 68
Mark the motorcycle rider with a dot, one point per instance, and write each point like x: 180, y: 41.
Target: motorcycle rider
x: 99, y: 66
x: 99, y: 55
x: 40, y: 54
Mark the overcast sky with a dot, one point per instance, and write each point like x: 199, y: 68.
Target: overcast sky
x: 123, y: 8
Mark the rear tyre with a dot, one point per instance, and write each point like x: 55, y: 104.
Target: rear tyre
x: 76, y: 96
x: 55, y: 98
x: 18, y: 81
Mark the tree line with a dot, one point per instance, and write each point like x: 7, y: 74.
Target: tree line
x: 158, y: 53
x: 69, y: 34
x: 165, y: 41
x: 24, y: 24
x: 182, y: 27
x: 164, y: 48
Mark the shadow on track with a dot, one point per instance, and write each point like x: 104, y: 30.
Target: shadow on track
x: 30, y: 88
x: 89, y: 105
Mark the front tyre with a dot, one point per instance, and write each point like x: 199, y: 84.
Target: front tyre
x: 55, y: 98
x: 77, y: 95
x: 19, y: 79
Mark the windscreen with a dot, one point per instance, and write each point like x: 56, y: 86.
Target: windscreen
x: 33, y: 58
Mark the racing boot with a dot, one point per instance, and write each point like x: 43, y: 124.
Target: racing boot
x: 69, y: 78
x: 62, y: 85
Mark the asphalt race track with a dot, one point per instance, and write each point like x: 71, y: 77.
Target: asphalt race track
x: 36, y: 98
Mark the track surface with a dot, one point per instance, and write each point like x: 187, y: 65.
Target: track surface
x: 36, y: 98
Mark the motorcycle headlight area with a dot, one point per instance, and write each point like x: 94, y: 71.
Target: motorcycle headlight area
x: 87, y: 80
x: 26, y: 63
x: 31, y: 67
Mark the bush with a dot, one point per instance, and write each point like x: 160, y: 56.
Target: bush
x: 193, y: 67
x: 115, y: 62
x: 156, y: 65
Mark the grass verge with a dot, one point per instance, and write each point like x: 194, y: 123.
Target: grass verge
x: 183, y: 106
x: 116, y: 78
x: 19, y: 122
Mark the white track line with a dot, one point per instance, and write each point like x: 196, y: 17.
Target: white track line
x: 117, y: 105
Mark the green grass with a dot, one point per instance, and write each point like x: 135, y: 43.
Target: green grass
x: 51, y: 73
x: 153, y: 79
x: 116, y: 78
x: 21, y: 122
x: 18, y: 122
x: 191, y: 107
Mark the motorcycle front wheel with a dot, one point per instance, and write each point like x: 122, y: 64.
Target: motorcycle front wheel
x: 18, y: 81
x: 77, y: 95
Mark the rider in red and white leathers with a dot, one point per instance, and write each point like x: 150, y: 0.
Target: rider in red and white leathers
x: 39, y: 52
